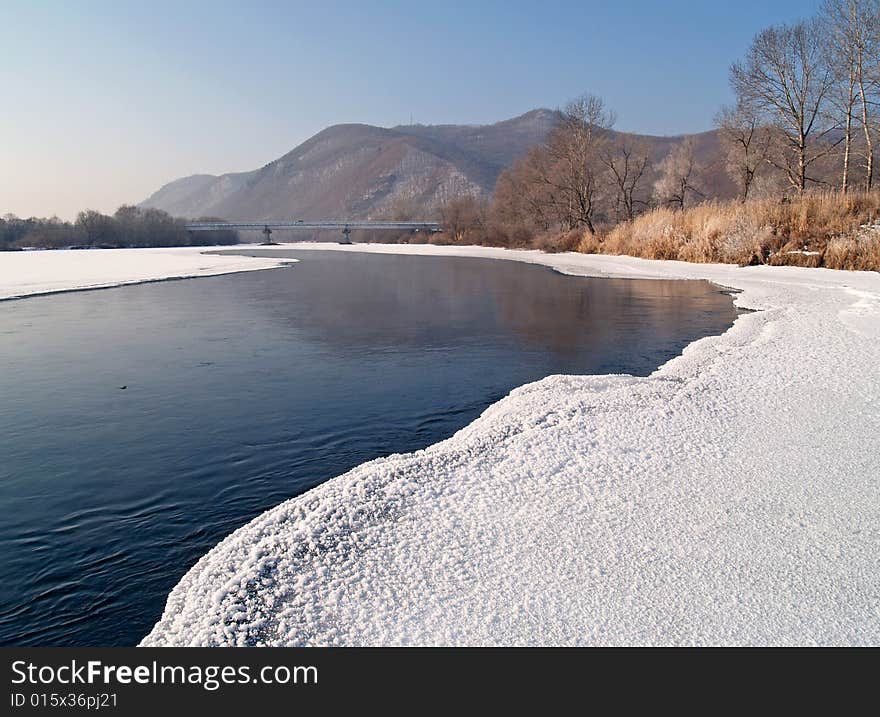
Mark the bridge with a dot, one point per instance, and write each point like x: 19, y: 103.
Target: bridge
x: 345, y: 226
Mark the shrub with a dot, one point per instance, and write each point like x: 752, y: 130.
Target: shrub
x: 817, y: 229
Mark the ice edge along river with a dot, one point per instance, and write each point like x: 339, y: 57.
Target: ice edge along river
x: 31, y: 273
x: 729, y: 498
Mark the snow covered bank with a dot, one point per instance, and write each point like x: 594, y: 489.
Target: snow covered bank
x: 26, y: 273
x: 732, y: 497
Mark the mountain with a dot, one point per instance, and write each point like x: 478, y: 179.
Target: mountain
x: 192, y: 196
x: 359, y: 171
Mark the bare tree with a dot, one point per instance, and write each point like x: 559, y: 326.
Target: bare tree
x: 96, y: 227
x: 522, y: 197
x: 853, y: 27
x: 573, y: 170
x: 128, y: 223
x: 841, y: 59
x: 866, y: 20
x: 577, y: 177
x: 746, y: 144
x: 679, y: 173
x: 628, y: 160
x: 785, y: 80
x: 462, y: 218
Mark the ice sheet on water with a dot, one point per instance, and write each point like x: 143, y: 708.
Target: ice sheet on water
x: 29, y: 273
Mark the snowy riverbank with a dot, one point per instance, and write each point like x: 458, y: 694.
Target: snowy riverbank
x: 729, y: 498
x: 27, y: 273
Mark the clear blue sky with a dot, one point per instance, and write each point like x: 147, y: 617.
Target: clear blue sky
x: 103, y: 101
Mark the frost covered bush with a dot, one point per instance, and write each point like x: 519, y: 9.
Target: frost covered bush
x: 746, y: 240
x: 569, y: 241
x: 654, y: 235
x: 861, y: 252
x: 818, y: 229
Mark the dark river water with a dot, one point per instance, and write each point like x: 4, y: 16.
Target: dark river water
x: 247, y: 389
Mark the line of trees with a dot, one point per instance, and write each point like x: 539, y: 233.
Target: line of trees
x: 581, y: 176
x: 806, y: 101
x: 584, y: 176
x: 805, y: 115
x: 129, y: 226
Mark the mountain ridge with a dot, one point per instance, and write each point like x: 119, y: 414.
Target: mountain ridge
x: 361, y: 171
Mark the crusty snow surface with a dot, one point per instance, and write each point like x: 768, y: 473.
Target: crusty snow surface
x: 26, y: 273
x: 729, y: 498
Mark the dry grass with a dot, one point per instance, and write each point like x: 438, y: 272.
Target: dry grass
x: 570, y: 241
x: 822, y: 229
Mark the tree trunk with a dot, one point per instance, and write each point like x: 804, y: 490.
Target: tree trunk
x: 850, y: 104
x: 802, y: 166
x: 748, y: 176
x: 847, y: 143
x: 869, y: 145
x: 869, y: 140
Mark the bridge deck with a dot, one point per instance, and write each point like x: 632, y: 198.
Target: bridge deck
x: 339, y: 225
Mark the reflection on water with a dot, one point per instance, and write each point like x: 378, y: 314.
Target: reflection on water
x: 243, y: 390
x: 583, y: 322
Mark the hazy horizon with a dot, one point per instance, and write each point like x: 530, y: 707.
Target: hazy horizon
x: 108, y: 103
